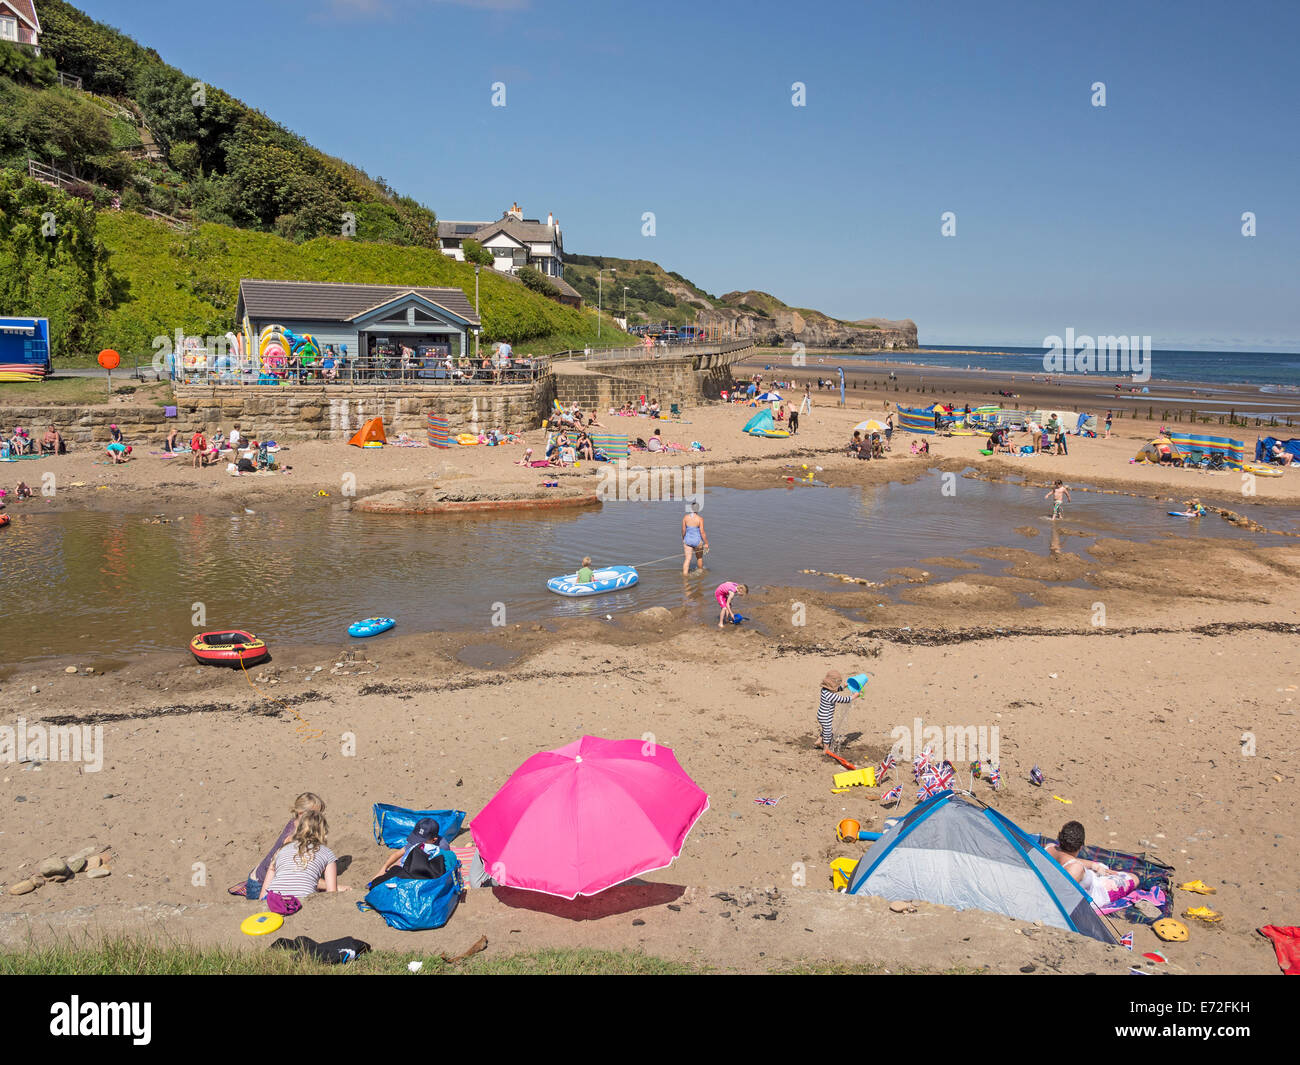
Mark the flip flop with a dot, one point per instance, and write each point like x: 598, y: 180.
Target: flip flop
x: 1199, y: 887
x: 1204, y: 913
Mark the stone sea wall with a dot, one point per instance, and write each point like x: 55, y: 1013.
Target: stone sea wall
x: 299, y: 413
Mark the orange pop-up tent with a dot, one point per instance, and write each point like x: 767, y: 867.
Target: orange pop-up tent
x: 372, y: 431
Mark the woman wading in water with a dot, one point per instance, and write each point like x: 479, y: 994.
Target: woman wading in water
x: 695, y: 541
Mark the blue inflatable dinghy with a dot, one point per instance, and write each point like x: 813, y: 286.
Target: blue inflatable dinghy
x: 608, y: 579
x: 371, y: 626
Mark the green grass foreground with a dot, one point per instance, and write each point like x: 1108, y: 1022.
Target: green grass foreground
x: 124, y: 956
x: 121, y: 956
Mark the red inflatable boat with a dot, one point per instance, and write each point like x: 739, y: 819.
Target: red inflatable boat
x: 232, y: 648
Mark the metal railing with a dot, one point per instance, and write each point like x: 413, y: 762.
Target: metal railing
x: 205, y: 370
x: 661, y: 349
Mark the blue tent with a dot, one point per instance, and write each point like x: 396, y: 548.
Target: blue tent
x: 759, y: 423
x: 963, y: 854
x: 1264, y: 449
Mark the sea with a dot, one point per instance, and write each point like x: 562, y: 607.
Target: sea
x: 1268, y: 371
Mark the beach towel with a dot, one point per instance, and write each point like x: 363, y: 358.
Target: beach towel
x: 1286, y: 943
x: 1155, y: 880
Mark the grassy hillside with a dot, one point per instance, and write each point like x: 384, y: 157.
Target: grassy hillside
x: 169, y: 280
x: 150, y: 135
x: 654, y: 294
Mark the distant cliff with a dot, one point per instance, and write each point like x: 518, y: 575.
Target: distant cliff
x: 654, y: 295
x: 774, y: 324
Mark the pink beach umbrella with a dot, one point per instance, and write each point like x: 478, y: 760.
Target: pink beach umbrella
x: 592, y: 814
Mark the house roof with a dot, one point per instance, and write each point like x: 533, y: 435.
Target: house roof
x: 564, y: 287
x: 529, y: 231
x: 25, y: 10
x: 334, y: 302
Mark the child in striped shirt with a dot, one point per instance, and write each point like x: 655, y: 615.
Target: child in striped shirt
x: 832, y: 693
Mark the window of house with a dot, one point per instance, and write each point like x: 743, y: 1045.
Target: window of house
x: 8, y: 29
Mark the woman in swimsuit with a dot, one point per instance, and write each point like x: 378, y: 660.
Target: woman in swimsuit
x: 695, y: 541
x: 1102, y: 884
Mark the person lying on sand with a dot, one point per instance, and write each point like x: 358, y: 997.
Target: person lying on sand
x: 1102, y: 884
x: 304, y: 863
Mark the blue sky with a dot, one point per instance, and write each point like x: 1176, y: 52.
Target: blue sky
x: 1116, y: 220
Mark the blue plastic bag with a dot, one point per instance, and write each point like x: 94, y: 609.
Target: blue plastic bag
x: 394, y: 823
x: 414, y: 905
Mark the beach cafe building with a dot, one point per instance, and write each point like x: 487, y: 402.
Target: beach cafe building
x: 365, y: 323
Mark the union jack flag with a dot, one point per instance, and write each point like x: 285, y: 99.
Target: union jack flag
x: 1127, y: 940
x: 893, y: 795
x: 994, y: 775
x: 930, y: 785
x: 945, y: 773
x: 768, y: 802
x: 885, y: 766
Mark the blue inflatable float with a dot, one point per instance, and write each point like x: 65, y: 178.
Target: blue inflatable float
x: 609, y: 579
x: 371, y: 626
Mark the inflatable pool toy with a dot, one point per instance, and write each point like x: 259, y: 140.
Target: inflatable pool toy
x: 1184, y: 514
x: 233, y: 647
x: 260, y: 924
x: 4, y: 520
x: 608, y: 579
x: 371, y: 626
x: 1261, y: 471
x: 778, y: 433
x: 466, y: 439
x: 373, y: 443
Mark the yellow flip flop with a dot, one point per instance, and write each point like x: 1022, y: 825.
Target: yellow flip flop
x: 1170, y: 931
x: 1204, y: 913
x: 1198, y: 887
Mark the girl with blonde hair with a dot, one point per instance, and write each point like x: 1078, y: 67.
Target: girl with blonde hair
x: 304, y: 865
x: 307, y: 801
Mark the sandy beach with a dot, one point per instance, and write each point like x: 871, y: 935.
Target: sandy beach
x: 1139, y: 724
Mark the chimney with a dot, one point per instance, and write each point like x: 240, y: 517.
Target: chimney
x: 550, y: 219
x: 516, y: 211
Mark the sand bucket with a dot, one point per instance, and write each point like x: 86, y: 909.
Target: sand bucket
x: 857, y: 682
x: 847, y: 829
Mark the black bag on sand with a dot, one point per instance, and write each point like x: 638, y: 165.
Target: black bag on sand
x: 334, y: 952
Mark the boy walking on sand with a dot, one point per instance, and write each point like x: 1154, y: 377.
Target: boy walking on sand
x: 1060, y: 494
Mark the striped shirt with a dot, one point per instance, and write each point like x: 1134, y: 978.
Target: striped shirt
x: 291, y: 878
x: 826, y: 712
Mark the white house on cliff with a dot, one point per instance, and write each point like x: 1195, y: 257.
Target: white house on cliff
x: 19, y: 24
x: 513, y: 242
